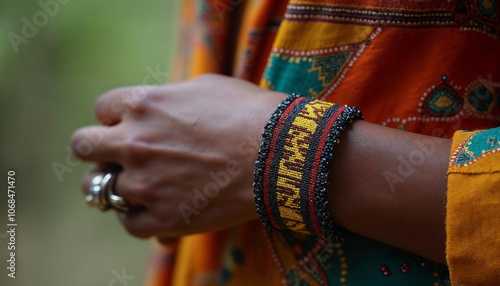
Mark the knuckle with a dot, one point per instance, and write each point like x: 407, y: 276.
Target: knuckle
x: 154, y: 95
x: 144, y: 187
x: 135, y: 150
x: 104, y: 99
x: 139, y: 100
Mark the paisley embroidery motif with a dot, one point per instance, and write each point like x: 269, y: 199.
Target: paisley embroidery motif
x: 477, y: 146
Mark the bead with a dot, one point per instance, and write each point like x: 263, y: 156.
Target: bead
x: 263, y: 153
x: 405, y: 267
x: 385, y: 270
x: 324, y: 225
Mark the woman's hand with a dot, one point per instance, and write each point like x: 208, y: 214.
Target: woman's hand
x: 186, y: 150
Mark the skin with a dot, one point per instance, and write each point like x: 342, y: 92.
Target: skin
x: 176, y: 141
x: 374, y: 194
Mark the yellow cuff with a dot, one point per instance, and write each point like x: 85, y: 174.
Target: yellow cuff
x: 473, y: 208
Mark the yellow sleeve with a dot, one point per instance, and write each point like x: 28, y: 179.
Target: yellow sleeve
x: 473, y: 208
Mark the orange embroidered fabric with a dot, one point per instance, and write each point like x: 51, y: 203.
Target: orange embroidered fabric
x: 428, y: 66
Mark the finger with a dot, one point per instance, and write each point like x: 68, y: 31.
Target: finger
x: 134, y: 188
x: 140, y: 223
x: 119, y: 178
x: 97, y: 143
x: 112, y: 106
x: 91, y: 173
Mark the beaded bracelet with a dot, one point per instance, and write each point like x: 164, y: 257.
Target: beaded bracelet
x: 291, y: 175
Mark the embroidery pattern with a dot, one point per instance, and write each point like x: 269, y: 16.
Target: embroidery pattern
x: 319, y: 70
x: 447, y: 102
x: 442, y: 101
x: 477, y: 146
x: 312, y: 256
x: 469, y: 15
x: 311, y: 260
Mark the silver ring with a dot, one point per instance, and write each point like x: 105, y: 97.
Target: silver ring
x: 97, y: 192
x: 107, y: 179
x: 115, y: 201
x: 95, y: 186
x: 101, y: 193
x: 96, y: 197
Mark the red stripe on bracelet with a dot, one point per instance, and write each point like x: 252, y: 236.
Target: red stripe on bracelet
x: 314, y: 172
x: 269, y: 160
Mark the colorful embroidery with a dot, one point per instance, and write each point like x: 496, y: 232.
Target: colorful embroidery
x: 210, y: 31
x: 470, y: 15
x: 480, y: 98
x: 316, y: 72
x: 319, y: 71
x: 311, y: 258
x: 442, y: 101
x: 314, y: 261
x: 449, y: 102
x: 477, y: 146
x: 234, y: 258
x: 376, y: 16
x: 488, y: 8
x: 478, y: 15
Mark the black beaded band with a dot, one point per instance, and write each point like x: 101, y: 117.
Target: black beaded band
x: 293, y: 166
x: 330, y: 230
x: 263, y: 154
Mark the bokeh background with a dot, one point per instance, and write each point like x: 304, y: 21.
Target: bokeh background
x: 47, y: 90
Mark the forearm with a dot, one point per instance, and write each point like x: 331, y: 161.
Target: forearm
x: 390, y: 185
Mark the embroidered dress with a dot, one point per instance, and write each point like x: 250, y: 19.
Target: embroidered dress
x: 428, y: 66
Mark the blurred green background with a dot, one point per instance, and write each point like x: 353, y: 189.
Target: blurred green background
x: 47, y: 90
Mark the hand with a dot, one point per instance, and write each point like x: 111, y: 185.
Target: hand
x: 186, y: 150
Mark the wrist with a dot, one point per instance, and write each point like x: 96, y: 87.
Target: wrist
x: 293, y: 166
